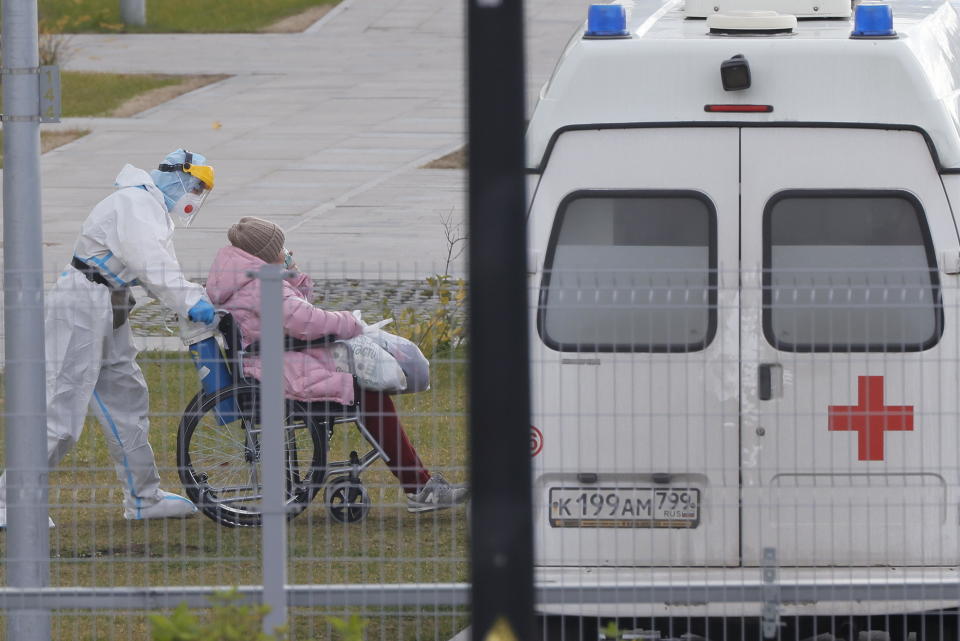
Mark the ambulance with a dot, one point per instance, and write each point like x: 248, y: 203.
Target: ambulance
x: 744, y: 266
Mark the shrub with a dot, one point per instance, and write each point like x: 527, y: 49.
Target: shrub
x: 53, y: 43
x: 441, y: 328
x: 349, y: 630
x: 444, y: 327
x: 229, y: 621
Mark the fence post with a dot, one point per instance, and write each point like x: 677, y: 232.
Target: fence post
x: 272, y: 463
x: 502, y: 531
x: 27, y: 538
x: 133, y: 12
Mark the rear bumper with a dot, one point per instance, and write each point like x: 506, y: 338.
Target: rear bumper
x: 743, y: 592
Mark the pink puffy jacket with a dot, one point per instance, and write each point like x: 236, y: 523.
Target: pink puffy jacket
x: 308, y: 375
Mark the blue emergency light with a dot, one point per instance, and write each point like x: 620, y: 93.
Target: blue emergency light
x: 606, y: 21
x: 873, y: 20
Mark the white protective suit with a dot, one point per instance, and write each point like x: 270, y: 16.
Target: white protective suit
x: 128, y: 238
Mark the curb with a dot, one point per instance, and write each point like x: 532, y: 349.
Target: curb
x: 316, y: 26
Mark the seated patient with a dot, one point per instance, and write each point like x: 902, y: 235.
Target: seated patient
x: 309, y: 375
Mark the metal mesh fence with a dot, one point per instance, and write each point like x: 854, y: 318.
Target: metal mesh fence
x: 745, y: 454
x: 352, y: 527
x: 716, y: 454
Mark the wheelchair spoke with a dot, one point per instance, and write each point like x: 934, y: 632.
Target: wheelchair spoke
x: 222, y: 462
x: 254, y: 476
x: 240, y: 499
x: 234, y: 489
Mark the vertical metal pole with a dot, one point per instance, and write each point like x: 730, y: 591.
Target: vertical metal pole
x: 133, y: 12
x: 27, y: 539
x: 502, y: 531
x: 272, y: 437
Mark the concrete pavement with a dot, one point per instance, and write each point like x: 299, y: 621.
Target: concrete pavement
x: 322, y: 131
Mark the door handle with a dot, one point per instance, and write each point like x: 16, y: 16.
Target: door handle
x: 769, y: 381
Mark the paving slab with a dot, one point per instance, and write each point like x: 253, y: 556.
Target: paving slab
x: 324, y: 131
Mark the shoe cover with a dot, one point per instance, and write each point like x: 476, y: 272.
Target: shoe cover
x: 3, y: 520
x: 165, y: 506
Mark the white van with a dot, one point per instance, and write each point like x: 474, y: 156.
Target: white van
x: 745, y: 331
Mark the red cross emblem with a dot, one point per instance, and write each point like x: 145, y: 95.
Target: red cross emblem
x: 870, y: 418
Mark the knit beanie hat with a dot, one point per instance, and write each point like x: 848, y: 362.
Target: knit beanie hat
x: 257, y: 237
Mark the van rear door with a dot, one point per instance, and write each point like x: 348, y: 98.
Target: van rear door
x: 849, y: 350
x: 635, y: 366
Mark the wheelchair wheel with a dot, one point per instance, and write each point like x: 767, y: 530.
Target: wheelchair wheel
x: 347, y: 501
x: 218, y: 455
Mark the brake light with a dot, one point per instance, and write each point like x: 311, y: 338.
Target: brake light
x: 738, y: 109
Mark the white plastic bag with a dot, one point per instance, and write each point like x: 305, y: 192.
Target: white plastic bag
x: 373, y: 366
x: 415, y: 366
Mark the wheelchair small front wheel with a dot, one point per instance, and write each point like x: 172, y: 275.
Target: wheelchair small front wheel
x: 347, y: 501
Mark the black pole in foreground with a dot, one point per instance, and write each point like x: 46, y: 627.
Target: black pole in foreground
x: 501, y: 527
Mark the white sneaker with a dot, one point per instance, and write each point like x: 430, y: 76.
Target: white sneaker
x: 437, y: 494
x: 3, y: 520
x: 168, y: 506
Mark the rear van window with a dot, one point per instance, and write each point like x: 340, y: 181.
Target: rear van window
x: 849, y: 271
x: 631, y: 271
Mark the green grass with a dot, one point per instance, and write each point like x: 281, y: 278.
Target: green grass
x: 163, y: 16
x: 51, y: 139
x: 103, y: 94
x: 96, y: 94
x: 94, y: 546
x: 99, y: 94
x: 427, y: 624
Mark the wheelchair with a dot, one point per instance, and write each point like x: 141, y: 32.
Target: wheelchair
x: 219, y: 442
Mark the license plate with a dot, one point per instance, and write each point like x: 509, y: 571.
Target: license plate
x: 646, y: 507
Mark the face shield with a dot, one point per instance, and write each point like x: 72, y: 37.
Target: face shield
x: 186, y: 208
x: 197, y: 182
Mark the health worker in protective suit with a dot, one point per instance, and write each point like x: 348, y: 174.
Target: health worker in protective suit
x: 91, y: 361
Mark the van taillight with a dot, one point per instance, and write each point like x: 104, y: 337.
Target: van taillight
x: 741, y: 109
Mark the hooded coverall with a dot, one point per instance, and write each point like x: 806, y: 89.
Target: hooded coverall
x: 91, y: 361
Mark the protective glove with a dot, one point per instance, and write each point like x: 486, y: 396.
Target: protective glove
x: 202, y: 312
